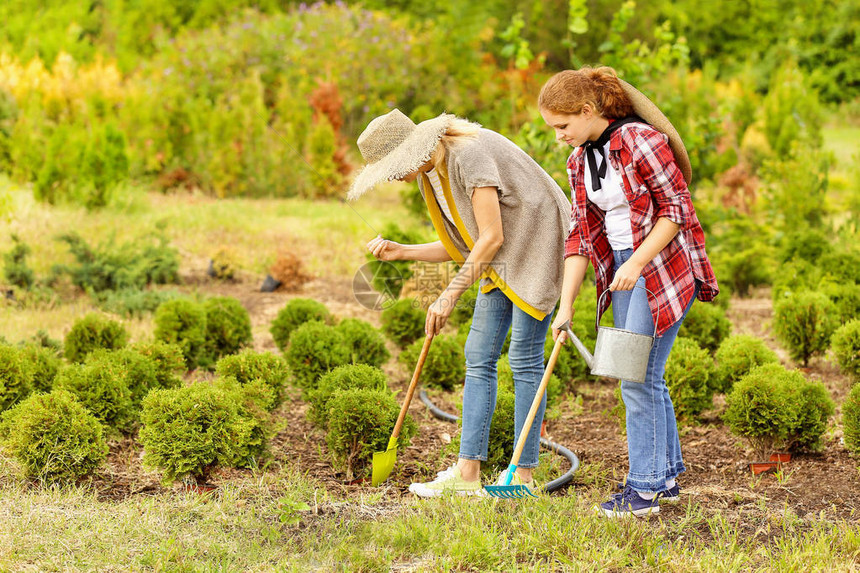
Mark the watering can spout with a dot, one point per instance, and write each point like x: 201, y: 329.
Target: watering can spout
x: 589, y: 359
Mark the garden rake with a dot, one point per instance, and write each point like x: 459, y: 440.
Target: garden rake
x: 383, y: 462
x: 506, y: 490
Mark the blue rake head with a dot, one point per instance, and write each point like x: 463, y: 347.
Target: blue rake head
x: 509, y: 491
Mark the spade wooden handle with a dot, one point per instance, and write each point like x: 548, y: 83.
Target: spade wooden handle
x: 424, y: 350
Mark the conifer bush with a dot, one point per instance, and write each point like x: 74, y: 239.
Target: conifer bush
x: 296, y: 312
x: 182, y: 322
x: 445, y: 365
x: 15, y: 268
x: 92, y: 332
x: 360, y: 422
x: 350, y: 376
x: 846, y: 297
x: 53, y: 437
x: 16, y: 376
x: 736, y: 356
x: 315, y: 348
x: 706, y: 324
x: 45, y: 363
x: 366, y: 344
x: 851, y: 420
x: 188, y: 431
x: 168, y: 361
x: 139, y: 371
x: 689, y: 371
x: 249, y: 366
x: 403, y: 322
x: 804, y: 323
x: 846, y: 348
x: 228, y: 327
x: 814, y: 408
x: 101, y: 386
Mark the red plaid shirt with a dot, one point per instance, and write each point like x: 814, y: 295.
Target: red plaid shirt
x: 654, y: 187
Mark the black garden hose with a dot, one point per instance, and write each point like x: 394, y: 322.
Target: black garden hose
x: 552, y: 486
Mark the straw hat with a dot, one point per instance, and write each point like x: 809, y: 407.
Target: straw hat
x: 648, y: 110
x: 393, y: 147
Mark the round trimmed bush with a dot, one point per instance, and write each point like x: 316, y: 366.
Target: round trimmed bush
x: 505, y: 376
x: 182, y: 322
x: 53, y: 437
x: 689, y: 370
x: 736, y: 356
x: 45, y: 363
x: 92, y: 332
x: 101, y: 386
x: 366, y: 344
x: 16, y: 376
x: 188, y: 431
x: 249, y: 366
x: 315, y: 348
x: 851, y: 420
x: 346, y: 377
x: 296, y: 313
x: 706, y: 324
x: 139, y: 371
x: 228, y: 327
x: 814, y: 408
x: 403, y: 322
x: 804, y: 323
x: 846, y: 347
x: 360, y: 422
x: 846, y: 297
x: 445, y: 366
x: 167, y: 359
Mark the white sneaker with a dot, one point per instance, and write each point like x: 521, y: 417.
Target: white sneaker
x: 515, y: 480
x: 447, y: 481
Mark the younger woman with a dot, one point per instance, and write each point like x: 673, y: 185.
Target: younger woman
x: 632, y: 217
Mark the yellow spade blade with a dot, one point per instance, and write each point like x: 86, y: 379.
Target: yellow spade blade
x: 383, y: 463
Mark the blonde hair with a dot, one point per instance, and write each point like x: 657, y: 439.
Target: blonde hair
x: 459, y: 131
x: 568, y: 91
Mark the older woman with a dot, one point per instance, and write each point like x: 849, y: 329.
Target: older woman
x: 504, y: 220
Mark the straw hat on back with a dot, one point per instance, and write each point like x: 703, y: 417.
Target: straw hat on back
x: 393, y: 147
x: 648, y: 110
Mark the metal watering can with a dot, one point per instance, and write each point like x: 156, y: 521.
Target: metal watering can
x: 618, y: 353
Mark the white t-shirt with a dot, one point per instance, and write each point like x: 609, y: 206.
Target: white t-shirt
x: 611, y: 200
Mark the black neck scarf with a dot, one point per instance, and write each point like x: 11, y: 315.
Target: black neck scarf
x: 595, y: 148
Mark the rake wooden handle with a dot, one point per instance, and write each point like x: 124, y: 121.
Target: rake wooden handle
x: 424, y: 350
x: 524, y: 433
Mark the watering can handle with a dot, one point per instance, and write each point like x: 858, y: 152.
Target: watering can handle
x: 600, y: 300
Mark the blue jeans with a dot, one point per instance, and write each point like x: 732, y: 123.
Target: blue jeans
x: 653, y: 447
x: 494, y: 315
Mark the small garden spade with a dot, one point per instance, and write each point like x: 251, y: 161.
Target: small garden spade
x: 383, y: 462
x: 506, y: 490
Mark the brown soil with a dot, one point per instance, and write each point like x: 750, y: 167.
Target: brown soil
x: 815, y: 485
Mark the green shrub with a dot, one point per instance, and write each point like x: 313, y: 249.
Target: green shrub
x: 315, y: 348
x: 348, y: 377
x: 689, y: 371
x: 249, y: 366
x: 360, y: 422
x: 445, y: 366
x: 736, y: 356
x: 804, y: 322
x: 182, y: 322
x: 846, y: 297
x: 851, y: 420
x: 707, y: 325
x: 778, y: 409
x: 846, y: 347
x: 296, y: 312
x: 188, y: 431
x: 15, y: 267
x: 134, y: 303
x: 744, y: 268
x: 16, y: 376
x: 403, y: 322
x: 139, y: 371
x: 228, y: 327
x: 367, y: 345
x: 92, y: 332
x: 794, y: 276
x: 45, y: 363
x: 101, y: 385
x: 53, y: 437
x: 389, y: 276
x: 554, y: 386
x: 167, y: 359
